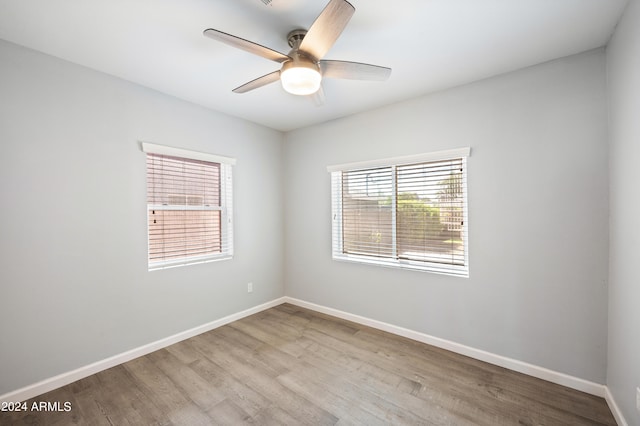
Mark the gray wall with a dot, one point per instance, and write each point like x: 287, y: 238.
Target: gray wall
x: 73, y: 271
x: 538, y: 215
x: 623, y: 66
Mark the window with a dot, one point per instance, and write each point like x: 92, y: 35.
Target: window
x: 406, y: 212
x: 189, y: 204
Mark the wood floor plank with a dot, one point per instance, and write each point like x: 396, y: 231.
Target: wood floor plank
x: 117, y: 397
x: 386, y: 384
x: 244, y: 371
x: 289, y: 365
x: 192, y: 386
x: 226, y: 412
x: 318, y: 386
x: 244, y: 397
x: 324, y: 394
x: 170, y: 400
x: 328, y: 381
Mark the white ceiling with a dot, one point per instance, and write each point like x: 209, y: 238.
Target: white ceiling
x: 429, y: 44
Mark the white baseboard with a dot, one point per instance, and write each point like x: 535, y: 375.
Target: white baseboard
x: 52, y: 383
x: 615, y: 410
x: 510, y: 363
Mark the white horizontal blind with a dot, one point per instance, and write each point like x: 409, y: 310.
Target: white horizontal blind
x: 404, y: 215
x: 189, y: 210
x: 430, y: 211
x: 367, y: 215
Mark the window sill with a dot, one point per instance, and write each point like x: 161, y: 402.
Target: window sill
x: 157, y: 266
x: 451, y: 270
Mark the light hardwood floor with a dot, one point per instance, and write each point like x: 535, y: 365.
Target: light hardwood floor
x: 292, y: 366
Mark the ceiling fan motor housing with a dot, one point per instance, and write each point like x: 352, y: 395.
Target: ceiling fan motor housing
x: 299, y: 75
x: 300, y: 60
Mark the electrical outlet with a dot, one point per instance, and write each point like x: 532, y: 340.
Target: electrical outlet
x: 250, y: 288
x: 638, y: 398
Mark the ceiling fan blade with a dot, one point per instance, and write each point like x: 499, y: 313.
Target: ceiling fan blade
x: 258, y: 82
x: 354, y: 70
x: 318, y: 97
x: 246, y: 45
x: 327, y: 28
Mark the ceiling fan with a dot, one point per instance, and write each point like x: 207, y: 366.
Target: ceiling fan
x: 303, y: 67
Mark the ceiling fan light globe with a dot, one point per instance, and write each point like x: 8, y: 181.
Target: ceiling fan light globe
x: 300, y: 80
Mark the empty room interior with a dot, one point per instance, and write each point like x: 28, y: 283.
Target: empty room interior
x: 320, y: 212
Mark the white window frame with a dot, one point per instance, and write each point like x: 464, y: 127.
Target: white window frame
x: 393, y: 262
x: 226, y: 207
